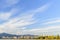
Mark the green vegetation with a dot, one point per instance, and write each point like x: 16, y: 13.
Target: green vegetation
x: 49, y: 37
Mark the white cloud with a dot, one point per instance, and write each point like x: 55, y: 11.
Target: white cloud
x: 47, y: 30
x: 50, y: 30
x: 4, y: 16
x: 52, y: 21
x: 40, y: 9
x: 12, y: 2
x: 7, y: 15
x: 43, y: 8
x: 12, y: 25
x: 8, y: 3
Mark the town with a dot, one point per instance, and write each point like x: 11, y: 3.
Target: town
x: 10, y: 36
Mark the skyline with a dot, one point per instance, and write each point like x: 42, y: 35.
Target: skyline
x: 30, y: 16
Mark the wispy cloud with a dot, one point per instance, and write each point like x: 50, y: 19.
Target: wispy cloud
x: 8, y: 3
x: 40, y: 9
x: 43, y: 8
x: 11, y: 2
x: 4, y: 16
x: 14, y: 25
x: 47, y: 30
x: 7, y: 15
x: 18, y: 22
x: 52, y: 21
x: 50, y: 30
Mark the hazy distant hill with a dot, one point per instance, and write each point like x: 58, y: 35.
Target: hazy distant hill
x: 9, y: 35
x: 6, y: 34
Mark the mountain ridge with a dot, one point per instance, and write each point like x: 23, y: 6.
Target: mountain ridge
x: 10, y: 35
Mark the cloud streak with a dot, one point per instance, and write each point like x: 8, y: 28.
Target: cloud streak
x: 52, y: 21
x: 8, y: 3
x: 18, y: 23
x: 50, y: 30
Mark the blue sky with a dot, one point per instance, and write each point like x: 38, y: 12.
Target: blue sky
x: 30, y: 17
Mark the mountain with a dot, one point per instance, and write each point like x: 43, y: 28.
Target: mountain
x: 6, y: 34
x: 11, y: 35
